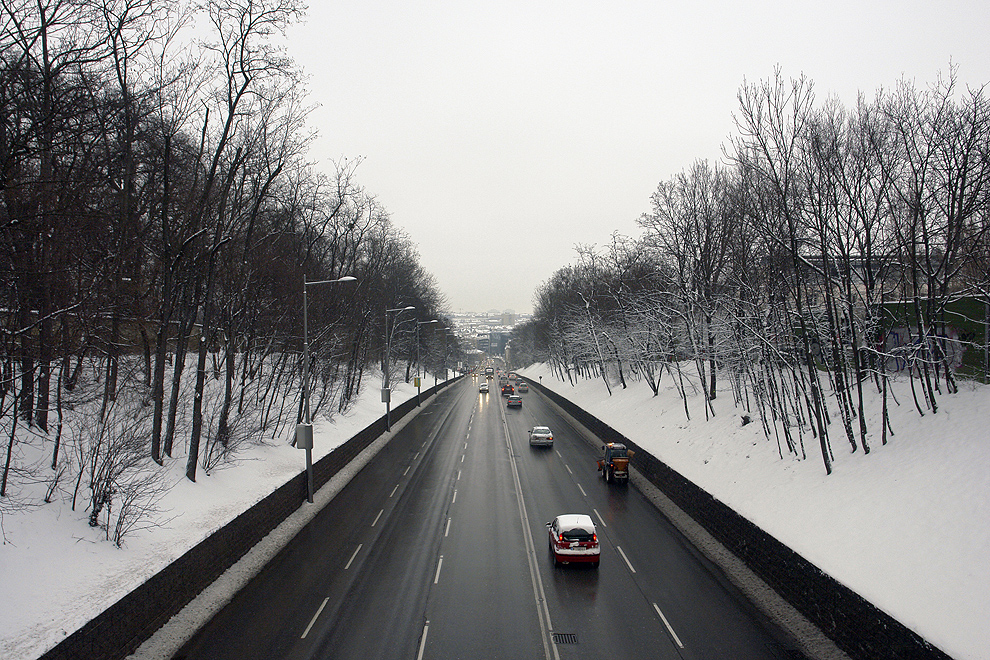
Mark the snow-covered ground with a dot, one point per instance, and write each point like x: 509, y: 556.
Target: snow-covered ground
x: 57, y: 572
x: 907, y: 526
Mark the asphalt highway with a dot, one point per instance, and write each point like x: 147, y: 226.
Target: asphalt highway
x: 438, y: 549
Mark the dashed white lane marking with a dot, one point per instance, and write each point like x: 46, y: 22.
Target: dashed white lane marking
x: 447, y: 531
x: 600, y: 517
x: 626, y: 559
x: 315, y: 617
x: 462, y: 458
x: 455, y: 497
x: 568, y: 468
x: 356, y: 550
x: 582, y: 490
x: 436, y: 578
x: 666, y: 623
x: 422, y: 642
x: 465, y: 445
x: 393, y: 490
x: 407, y: 471
x: 377, y: 517
x: 458, y: 475
x: 416, y: 456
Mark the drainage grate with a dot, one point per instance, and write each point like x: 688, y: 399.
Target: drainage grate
x: 564, y: 638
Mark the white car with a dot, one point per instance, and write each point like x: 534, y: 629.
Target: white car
x: 540, y: 436
x: 483, y: 388
x: 573, y: 540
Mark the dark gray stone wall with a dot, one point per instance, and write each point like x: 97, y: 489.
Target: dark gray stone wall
x: 117, y: 632
x: 855, y: 625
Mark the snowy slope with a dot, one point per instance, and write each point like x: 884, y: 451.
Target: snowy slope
x: 57, y: 572
x: 907, y: 526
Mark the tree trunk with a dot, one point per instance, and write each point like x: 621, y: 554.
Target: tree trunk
x: 10, y: 449
x: 192, y: 458
x: 27, y: 381
x: 223, y: 428
x: 181, y: 345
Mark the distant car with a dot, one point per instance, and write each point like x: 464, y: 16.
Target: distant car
x: 483, y: 388
x: 522, y: 387
x: 541, y: 435
x: 515, y: 401
x: 573, y: 539
x: 507, y: 390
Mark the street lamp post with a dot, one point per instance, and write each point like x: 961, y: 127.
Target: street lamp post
x: 419, y: 380
x: 386, y: 378
x: 446, y: 356
x: 304, y: 431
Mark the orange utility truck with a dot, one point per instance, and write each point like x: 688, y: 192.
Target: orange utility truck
x: 614, y: 463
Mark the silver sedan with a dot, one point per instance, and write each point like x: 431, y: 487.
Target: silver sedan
x: 541, y: 436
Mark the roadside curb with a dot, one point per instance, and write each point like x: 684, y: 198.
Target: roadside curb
x: 809, y: 638
x: 170, y: 638
x: 170, y: 605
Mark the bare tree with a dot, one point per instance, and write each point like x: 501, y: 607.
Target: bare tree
x: 247, y: 60
x: 773, y: 121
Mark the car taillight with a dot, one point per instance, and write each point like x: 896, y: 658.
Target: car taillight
x: 594, y: 538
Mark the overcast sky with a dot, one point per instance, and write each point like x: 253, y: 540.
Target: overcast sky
x: 499, y: 135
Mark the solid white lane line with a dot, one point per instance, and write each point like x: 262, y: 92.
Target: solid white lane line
x: 436, y: 578
x: 626, y: 558
x: 393, y: 490
x: 315, y: 617
x: 422, y: 642
x: 543, y: 610
x: 377, y: 517
x: 666, y: 623
x: 356, y: 550
x: 447, y: 531
x: 582, y: 490
x: 600, y: 517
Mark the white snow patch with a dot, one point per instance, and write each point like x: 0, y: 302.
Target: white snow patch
x: 906, y: 526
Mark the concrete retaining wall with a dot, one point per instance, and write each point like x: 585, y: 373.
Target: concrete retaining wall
x: 856, y: 626
x: 118, y: 631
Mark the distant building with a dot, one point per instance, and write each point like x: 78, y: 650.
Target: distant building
x: 488, y: 331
